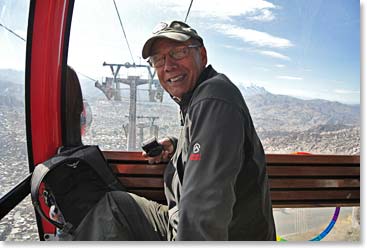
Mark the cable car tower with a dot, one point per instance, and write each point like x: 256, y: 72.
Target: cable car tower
x: 112, y: 90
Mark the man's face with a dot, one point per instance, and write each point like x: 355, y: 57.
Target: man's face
x: 178, y: 77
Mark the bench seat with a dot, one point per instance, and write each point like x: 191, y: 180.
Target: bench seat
x: 295, y: 180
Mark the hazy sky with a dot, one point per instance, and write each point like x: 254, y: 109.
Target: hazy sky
x: 303, y: 48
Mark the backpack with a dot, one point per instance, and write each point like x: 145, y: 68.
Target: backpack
x: 74, y: 181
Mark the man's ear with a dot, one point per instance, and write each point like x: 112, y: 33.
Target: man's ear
x: 203, y: 55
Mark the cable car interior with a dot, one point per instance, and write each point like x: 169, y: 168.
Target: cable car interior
x: 315, y: 193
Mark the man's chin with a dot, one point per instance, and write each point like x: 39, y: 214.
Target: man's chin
x: 177, y: 94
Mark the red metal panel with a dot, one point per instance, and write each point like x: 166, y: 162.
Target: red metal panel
x: 46, y: 61
x: 49, y: 25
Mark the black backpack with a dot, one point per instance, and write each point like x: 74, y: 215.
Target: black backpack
x: 75, y: 180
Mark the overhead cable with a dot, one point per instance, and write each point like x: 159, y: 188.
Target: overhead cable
x: 86, y: 76
x: 11, y: 31
x: 123, y: 30
x: 188, y: 11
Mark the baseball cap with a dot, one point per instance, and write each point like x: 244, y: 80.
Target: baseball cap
x: 176, y: 30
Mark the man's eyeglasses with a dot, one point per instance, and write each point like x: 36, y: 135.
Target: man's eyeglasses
x: 176, y: 53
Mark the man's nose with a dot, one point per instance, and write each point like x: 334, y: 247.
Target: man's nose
x: 169, y: 63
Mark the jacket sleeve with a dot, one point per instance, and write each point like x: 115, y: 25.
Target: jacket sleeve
x: 215, y: 155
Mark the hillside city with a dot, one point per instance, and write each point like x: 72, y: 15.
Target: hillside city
x: 284, y: 124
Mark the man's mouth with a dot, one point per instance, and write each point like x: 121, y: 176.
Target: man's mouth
x: 175, y: 79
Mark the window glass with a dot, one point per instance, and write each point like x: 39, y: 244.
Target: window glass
x: 20, y: 223
x: 302, y: 224
x: 296, y: 63
x: 126, y: 103
x: 286, y: 58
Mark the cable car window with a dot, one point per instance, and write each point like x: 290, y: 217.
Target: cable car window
x: 295, y: 62
x: 300, y: 98
x: 20, y: 223
x: 124, y: 102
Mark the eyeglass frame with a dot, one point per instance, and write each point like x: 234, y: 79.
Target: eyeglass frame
x: 169, y: 53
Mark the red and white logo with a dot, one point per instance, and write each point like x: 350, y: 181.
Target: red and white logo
x: 195, y: 156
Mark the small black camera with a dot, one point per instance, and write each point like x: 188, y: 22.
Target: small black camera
x: 152, y: 147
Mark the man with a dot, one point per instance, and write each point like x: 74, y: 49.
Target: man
x: 215, y: 182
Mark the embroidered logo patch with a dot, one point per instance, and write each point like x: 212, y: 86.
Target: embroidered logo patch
x: 195, y: 156
x: 196, y: 148
x: 73, y: 165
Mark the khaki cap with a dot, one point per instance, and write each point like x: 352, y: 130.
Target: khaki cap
x: 176, y: 30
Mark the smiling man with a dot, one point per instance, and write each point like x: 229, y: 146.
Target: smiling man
x: 216, y: 183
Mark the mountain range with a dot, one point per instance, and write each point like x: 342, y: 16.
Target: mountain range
x: 271, y: 113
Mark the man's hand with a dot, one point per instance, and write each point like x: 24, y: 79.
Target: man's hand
x: 166, y: 154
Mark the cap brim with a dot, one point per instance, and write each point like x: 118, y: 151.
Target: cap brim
x: 172, y: 36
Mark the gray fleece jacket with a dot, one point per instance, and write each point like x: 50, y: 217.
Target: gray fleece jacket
x: 216, y: 184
